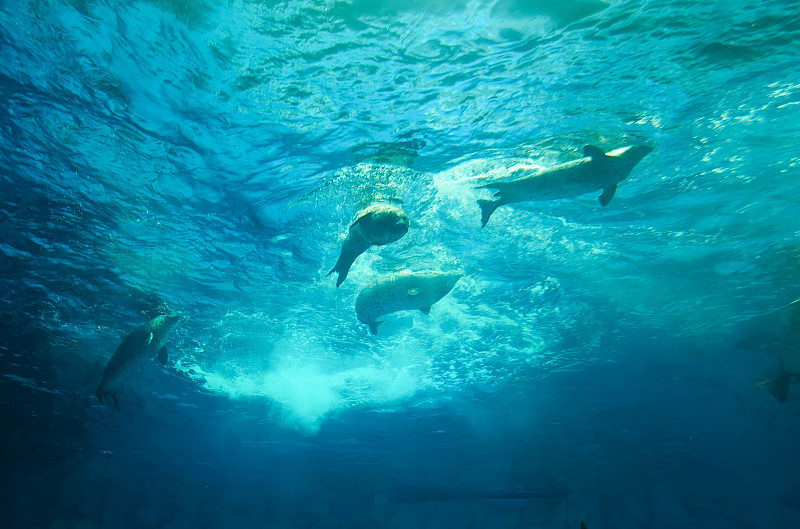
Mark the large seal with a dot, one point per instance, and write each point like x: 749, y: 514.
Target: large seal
x: 139, y: 346
x: 375, y: 225
x: 596, y: 170
x: 402, y: 291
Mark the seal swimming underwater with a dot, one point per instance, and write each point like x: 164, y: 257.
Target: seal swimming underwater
x: 139, y: 346
x: 596, y: 170
x: 402, y: 291
x: 375, y: 225
x: 787, y: 345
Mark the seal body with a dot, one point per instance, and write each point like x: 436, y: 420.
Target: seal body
x: 139, y: 346
x: 375, y: 225
x: 596, y: 170
x: 402, y: 291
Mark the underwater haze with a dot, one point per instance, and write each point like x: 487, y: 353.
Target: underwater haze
x: 618, y: 365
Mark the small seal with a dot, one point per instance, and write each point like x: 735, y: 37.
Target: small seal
x: 139, y: 346
x: 375, y: 225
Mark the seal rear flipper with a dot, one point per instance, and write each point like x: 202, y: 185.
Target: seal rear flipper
x: 487, y: 208
x: 162, y: 355
x: 108, y: 398
x: 353, y: 246
x: 607, y: 195
x: 342, y: 269
x: 779, y: 386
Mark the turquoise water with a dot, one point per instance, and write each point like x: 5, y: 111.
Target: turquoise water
x: 207, y: 158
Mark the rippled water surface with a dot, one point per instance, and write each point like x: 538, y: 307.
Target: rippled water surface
x: 207, y: 158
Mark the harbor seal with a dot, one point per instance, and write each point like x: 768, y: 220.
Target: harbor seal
x: 787, y: 346
x: 139, y: 346
x: 375, y: 225
x: 402, y: 291
x: 596, y: 170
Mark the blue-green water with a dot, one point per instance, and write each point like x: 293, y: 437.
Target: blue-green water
x: 595, y: 363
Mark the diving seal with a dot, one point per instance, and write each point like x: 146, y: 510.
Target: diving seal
x: 375, y: 225
x: 139, y: 346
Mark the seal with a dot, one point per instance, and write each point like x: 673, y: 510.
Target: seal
x: 596, y: 170
x: 375, y: 225
x: 402, y: 291
x: 787, y: 346
x: 139, y: 346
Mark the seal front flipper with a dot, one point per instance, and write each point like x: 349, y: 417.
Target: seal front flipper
x: 607, y: 195
x: 425, y: 310
x: 373, y: 326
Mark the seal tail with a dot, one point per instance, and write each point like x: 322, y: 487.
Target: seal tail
x: 342, y: 270
x: 103, y: 394
x: 487, y: 208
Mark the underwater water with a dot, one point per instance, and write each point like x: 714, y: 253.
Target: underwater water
x: 207, y: 158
